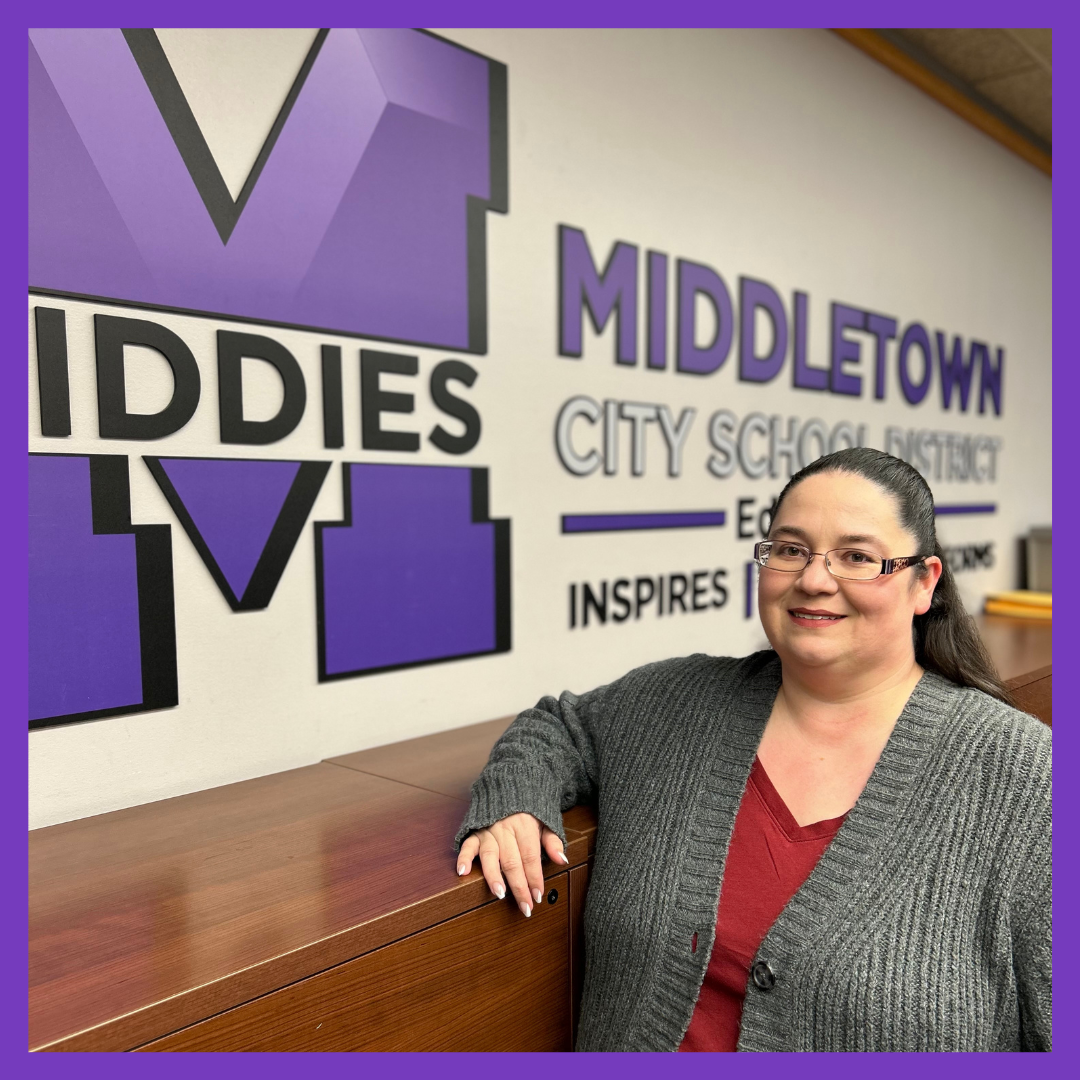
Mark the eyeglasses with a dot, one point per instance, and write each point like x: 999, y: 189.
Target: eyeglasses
x: 848, y: 564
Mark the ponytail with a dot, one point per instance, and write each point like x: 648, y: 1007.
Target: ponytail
x: 948, y: 642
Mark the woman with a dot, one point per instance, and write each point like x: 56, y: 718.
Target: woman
x: 840, y: 845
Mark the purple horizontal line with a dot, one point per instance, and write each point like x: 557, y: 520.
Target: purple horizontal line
x: 967, y: 508
x: 696, y: 519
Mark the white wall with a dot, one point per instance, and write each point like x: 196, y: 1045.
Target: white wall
x: 782, y: 155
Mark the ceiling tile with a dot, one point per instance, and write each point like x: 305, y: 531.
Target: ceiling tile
x: 1036, y: 40
x: 972, y: 55
x: 1027, y: 97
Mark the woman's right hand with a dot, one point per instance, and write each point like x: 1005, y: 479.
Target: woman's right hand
x: 512, y: 847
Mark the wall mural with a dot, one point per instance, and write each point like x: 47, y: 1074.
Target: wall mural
x: 418, y: 563
x: 102, y: 633
x: 391, y: 142
x: 363, y: 215
x: 640, y: 445
x: 244, y: 517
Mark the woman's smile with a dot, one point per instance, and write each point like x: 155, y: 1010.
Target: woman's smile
x: 815, y: 617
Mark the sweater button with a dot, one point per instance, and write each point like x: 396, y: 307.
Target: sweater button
x: 763, y: 975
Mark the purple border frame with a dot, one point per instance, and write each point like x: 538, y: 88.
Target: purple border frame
x: 486, y: 13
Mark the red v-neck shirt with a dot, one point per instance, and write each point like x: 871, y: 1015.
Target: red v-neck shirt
x: 769, y: 858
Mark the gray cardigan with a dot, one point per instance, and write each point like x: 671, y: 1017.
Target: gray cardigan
x: 926, y: 924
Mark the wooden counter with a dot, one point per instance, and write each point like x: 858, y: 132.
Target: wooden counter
x: 1022, y: 651
x: 1017, y: 646
x: 318, y: 909
x: 147, y: 921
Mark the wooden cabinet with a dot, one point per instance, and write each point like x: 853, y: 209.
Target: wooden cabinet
x: 222, y: 914
x: 579, y: 883
x: 487, y: 980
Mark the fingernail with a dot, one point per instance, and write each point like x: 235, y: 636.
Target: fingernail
x: 462, y: 870
x: 499, y: 891
x: 526, y: 910
x: 562, y: 857
x: 537, y: 895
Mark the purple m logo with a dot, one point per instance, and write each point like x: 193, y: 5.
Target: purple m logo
x: 364, y: 212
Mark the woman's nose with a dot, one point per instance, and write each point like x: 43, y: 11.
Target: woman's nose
x: 816, y: 576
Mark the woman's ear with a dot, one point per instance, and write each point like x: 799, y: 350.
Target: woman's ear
x: 926, y: 583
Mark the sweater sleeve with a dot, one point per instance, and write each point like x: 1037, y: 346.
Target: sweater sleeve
x: 544, y: 763
x: 1031, y: 917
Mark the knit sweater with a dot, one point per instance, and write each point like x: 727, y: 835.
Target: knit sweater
x: 926, y: 925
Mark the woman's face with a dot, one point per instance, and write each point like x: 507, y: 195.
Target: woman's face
x: 866, y: 624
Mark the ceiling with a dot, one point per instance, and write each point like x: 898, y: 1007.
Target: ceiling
x: 1006, y: 72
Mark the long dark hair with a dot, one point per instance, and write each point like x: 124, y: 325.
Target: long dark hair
x: 945, y: 637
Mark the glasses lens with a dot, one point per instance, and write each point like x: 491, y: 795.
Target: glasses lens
x: 854, y: 564
x: 782, y: 555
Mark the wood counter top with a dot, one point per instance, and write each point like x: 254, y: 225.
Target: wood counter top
x: 1017, y: 646
x: 151, y: 918
x: 449, y: 761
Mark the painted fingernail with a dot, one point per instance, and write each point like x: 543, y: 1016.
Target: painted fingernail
x: 562, y: 857
x: 526, y: 909
x: 462, y: 870
x: 537, y: 895
x: 499, y: 891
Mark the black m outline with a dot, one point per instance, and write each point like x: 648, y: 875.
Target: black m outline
x: 480, y: 509
x: 475, y: 207
x: 279, y: 545
x: 161, y: 80
x: 110, y: 503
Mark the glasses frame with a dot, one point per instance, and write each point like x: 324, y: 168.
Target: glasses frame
x: 888, y: 566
